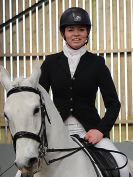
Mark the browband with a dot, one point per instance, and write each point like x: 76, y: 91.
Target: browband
x: 21, y: 89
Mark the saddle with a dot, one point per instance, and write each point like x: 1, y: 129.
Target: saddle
x: 101, y: 158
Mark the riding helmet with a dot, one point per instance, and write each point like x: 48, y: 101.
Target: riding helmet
x: 74, y: 16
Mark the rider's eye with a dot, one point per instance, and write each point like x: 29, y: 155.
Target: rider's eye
x: 36, y: 110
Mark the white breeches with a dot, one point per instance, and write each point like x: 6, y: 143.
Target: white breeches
x: 75, y: 127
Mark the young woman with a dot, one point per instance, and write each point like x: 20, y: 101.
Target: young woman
x: 74, y: 76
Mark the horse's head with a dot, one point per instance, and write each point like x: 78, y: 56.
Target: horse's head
x: 23, y: 112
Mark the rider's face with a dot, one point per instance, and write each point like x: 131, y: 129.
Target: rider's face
x: 76, y: 36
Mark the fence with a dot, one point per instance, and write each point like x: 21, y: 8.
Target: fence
x: 34, y: 32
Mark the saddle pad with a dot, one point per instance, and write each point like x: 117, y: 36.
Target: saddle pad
x: 103, y: 159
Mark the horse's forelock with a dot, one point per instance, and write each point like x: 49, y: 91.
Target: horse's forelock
x: 18, y: 82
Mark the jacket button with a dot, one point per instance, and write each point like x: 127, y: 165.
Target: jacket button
x: 70, y: 88
x: 71, y: 109
x: 71, y: 99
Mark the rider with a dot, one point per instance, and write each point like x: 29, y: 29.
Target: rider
x: 74, y: 76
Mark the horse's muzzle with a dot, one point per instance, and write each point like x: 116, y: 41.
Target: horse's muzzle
x: 26, y: 172
x: 33, y: 165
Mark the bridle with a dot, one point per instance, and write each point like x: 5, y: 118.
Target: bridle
x: 41, y: 137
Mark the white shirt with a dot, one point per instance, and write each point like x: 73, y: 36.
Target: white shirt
x: 73, y: 57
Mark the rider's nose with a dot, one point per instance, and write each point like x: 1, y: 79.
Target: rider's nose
x: 77, y: 32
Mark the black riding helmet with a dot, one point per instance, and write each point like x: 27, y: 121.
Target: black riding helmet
x: 74, y: 16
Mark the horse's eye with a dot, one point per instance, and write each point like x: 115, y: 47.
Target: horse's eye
x: 36, y: 110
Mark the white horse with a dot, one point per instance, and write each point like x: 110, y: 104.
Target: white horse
x: 36, y: 132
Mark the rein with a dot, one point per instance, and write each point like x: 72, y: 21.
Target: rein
x: 74, y: 150
x: 87, y: 144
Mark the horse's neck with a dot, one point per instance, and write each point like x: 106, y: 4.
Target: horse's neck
x: 56, y: 131
x: 58, y: 136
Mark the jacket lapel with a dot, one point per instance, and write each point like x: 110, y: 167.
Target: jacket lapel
x: 64, y: 63
x: 81, y: 65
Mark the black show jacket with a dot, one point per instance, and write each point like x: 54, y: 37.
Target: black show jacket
x: 76, y: 96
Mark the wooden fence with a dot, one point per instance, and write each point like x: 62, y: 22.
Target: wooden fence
x: 36, y: 34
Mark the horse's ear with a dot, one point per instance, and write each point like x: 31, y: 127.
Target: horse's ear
x: 5, y: 79
x: 34, y: 78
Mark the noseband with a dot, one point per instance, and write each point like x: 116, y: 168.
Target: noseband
x: 41, y: 137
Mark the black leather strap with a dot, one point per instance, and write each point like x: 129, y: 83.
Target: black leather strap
x: 23, y: 134
x: 21, y: 89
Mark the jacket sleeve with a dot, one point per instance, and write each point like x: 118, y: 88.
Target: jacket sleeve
x: 110, y: 98
x: 44, y: 80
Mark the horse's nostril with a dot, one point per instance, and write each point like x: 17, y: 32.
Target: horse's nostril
x: 16, y: 164
x: 32, y: 161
